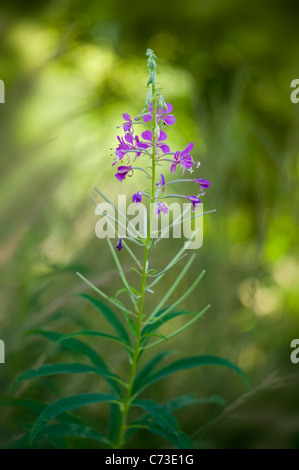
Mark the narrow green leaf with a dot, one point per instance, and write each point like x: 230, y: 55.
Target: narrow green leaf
x: 179, y: 220
x: 54, y: 369
x: 32, y: 405
x: 188, y: 400
x: 120, y: 291
x: 177, y: 302
x: 155, y: 273
x: 136, y: 271
x: 94, y: 333
x: 121, y: 273
x: 172, y: 288
x: 110, y: 317
x: 37, y: 407
x: 187, y: 363
x: 112, y: 300
x: 72, y: 430
x: 132, y: 327
x: 148, y: 368
x: 73, y: 345
x: 170, y: 265
x: 66, y: 404
x: 108, y: 217
x: 114, y: 422
x: 182, y: 328
x: 166, y: 423
x: 78, y: 347
x: 151, y: 327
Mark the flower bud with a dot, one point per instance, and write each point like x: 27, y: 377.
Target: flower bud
x: 157, y: 131
x: 161, y: 102
x: 137, y: 118
x: 148, y: 99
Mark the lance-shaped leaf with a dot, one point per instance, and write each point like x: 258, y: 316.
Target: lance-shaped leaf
x: 189, y: 400
x: 115, y: 419
x: 182, y: 328
x: 117, y: 303
x: 129, y: 290
x: 153, y: 318
x: 78, y: 347
x: 55, y: 369
x: 148, y: 368
x: 180, y: 219
x: 174, y: 405
x: 170, y: 265
x: 72, y: 430
x: 66, y: 404
x: 173, y: 287
x: 108, y: 217
x: 96, y: 334
x: 187, y: 363
x: 110, y: 317
x: 151, y: 327
x: 165, y: 423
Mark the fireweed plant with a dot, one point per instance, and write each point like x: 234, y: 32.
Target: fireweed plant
x: 138, y: 332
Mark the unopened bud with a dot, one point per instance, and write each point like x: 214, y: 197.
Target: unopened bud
x: 148, y: 99
x: 137, y: 118
x: 161, y: 102
x: 157, y: 131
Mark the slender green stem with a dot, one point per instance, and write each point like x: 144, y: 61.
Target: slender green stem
x: 126, y: 405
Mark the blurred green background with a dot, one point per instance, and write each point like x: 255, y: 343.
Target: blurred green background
x: 71, y: 69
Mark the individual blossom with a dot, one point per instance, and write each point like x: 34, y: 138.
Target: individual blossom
x: 202, y: 182
x: 161, y: 115
x: 183, y: 159
x: 194, y: 201
x: 148, y: 135
x: 119, y: 244
x: 127, y: 144
x: 162, y: 207
x: 161, y: 183
x: 137, y: 197
x: 128, y: 125
x: 122, y: 172
x: 122, y: 149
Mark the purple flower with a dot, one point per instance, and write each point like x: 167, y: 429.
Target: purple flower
x: 137, y: 197
x: 127, y: 126
x: 129, y: 143
x: 202, y: 183
x: 162, y: 114
x: 122, y: 149
x: 183, y: 158
x: 161, y: 183
x: 147, y: 135
x: 162, y: 207
x: 194, y: 201
x: 119, y: 244
x: 122, y: 172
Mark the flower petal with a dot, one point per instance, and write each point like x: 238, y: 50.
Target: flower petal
x: 164, y: 148
x: 143, y: 145
x: 147, y: 135
x: 127, y: 126
x: 162, y: 136
x: 129, y: 138
x: 169, y: 119
x: 147, y: 117
x: 188, y: 148
x: 173, y: 168
x: 202, y: 182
